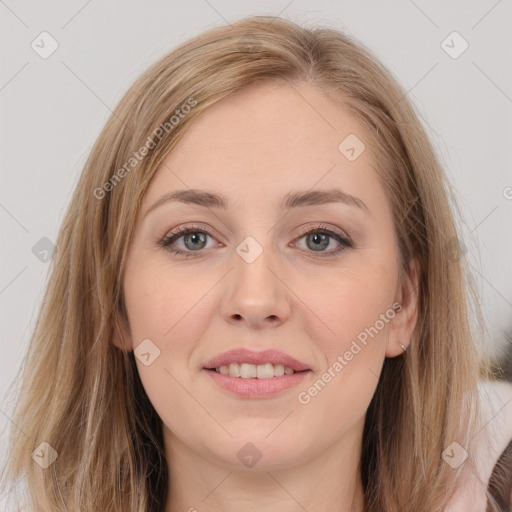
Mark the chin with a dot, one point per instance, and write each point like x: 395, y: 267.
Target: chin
x: 261, y: 451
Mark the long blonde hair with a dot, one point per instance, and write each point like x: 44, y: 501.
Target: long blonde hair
x: 82, y: 395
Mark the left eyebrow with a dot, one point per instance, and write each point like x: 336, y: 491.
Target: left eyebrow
x: 298, y: 199
x: 320, y: 197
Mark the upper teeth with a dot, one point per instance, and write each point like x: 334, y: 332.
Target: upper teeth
x: 251, y: 371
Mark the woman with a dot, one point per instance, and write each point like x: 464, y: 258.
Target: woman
x: 257, y: 299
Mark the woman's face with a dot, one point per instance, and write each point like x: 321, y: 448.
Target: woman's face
x: 291, y: 250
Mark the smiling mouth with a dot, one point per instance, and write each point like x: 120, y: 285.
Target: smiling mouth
x: 255, y: 371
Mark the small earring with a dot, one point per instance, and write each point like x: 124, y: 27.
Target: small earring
x: 403, y: 348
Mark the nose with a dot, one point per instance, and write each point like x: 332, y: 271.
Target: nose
x: 257, y: 294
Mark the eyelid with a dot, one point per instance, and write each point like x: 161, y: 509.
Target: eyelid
x: 187, y: 228
x: 329, y: 229
x: 174, y: 234
x: 343, y: 239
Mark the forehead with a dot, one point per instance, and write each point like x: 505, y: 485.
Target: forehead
x: 270, y: 138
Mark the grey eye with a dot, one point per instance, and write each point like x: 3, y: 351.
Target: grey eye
x: 318, y: 241
x: 195, y: 240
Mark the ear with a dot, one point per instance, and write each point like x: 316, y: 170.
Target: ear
x: 404, y: 322
x: 122, y: 337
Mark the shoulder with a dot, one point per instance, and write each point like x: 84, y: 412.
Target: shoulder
x: 500, y: 426
x: 492, y: 452
x: 496, y: 432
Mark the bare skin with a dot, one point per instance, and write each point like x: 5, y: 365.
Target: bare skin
x: 254, y: 148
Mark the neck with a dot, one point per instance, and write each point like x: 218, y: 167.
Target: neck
x: 328, y: 481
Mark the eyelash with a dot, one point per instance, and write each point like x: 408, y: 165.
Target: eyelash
x: 345, y: 242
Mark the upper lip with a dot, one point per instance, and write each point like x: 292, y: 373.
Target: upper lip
x: 242, y: 355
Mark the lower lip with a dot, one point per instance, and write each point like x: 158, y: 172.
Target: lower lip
x: 256, y: 388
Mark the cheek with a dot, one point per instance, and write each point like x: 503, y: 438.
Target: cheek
x: 166, y: 307
x: 358, y: 322
x: 356, y: 314
x: 351, y: 305
x: 353, y: 350
x: 169, y: 309
x: 348, y: 318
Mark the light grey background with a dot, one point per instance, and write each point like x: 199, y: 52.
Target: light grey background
x: 53, y: 109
